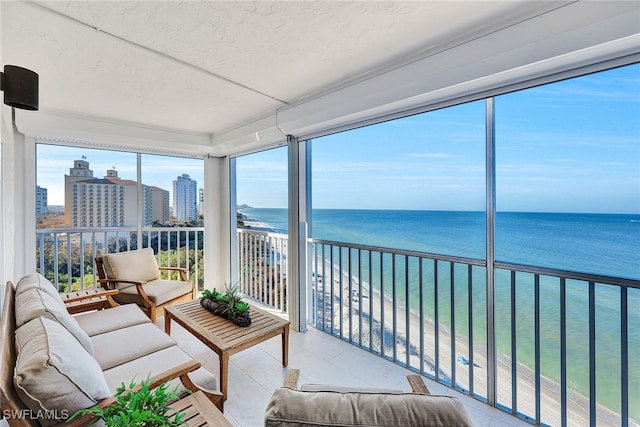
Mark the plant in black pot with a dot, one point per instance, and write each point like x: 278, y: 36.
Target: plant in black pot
x: 228, y: 304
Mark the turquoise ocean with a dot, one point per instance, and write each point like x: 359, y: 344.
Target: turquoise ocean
x: 603, y: 244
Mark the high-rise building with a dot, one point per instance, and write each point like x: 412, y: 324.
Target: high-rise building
x: 109, y: 201
x: 185, y: 198
x: 201, y: 201
x: 41, y: 201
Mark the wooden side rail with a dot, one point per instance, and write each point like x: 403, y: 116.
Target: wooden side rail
x: 92, y: 299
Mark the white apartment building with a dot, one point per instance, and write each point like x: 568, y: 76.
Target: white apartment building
x: 185, y: 198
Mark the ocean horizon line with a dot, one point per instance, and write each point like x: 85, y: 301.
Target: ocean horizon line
x: 241, y: 207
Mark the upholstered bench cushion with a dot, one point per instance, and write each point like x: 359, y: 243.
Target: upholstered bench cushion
x: 145, y: 366
x: 33, y: 303
x: 54, y: 372
x: 113, y: 319
x: 289, y: 407
x: 159, y: 291
x: 136, y: 266
x: 124, y: 345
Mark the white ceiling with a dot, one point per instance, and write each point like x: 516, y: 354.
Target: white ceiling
x: 209, y: 67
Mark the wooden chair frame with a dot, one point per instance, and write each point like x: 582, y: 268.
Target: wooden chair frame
x: 149, y: 307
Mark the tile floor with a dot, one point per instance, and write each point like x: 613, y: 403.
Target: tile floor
x: 256, y: 372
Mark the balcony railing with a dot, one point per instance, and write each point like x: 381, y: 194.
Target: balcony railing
x: 67, y: 256
x: 563, y: 338
x: 262, y: 259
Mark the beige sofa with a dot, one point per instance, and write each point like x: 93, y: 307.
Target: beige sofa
x: 54, y: 364
x: 326, y: 405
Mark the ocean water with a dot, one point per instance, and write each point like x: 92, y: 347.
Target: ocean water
x: 604, y: 244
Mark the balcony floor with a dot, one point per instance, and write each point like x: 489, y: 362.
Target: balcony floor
x: 256, y: 372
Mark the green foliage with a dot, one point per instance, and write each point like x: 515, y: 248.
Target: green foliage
x: 138, y: 407
x: 241, y: 307
x: 231, y: 303
x: 211, y: 294
x: 230, y: 299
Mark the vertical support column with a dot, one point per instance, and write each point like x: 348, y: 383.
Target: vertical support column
x: 217, y: 222
x: 298, y: 157
x: 140, y: 194
x: 233, y: 202
x: 490, y: 171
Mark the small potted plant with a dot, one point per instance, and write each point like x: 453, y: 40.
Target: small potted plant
x: 228, y: 304
x: 138, y: 407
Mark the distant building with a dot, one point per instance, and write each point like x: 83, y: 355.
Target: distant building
x: 42, y: 207
x: 185, y: 198
x: 201, y: 201
x: 109, y: 201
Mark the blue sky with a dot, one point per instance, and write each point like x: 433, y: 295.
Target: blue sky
x: 571, y: 146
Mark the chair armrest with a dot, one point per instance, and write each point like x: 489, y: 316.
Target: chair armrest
x: 181, y: 270
x: 417, y: 384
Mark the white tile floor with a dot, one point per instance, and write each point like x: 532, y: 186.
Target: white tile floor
x: 256, y: 372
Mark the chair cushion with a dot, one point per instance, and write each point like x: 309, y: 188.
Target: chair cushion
x: 136, y: 266
x: 37, y: 281
x: 159, y: 291
x: 288, y: 407
x: 132, y: 342
x: 112, y: 319
x: 33, y: 303
x: 53, y: 372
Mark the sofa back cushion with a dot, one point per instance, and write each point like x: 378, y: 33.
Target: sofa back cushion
x: 289, y: 407
x: 36, y: 281
x: 54, y: 374
x: 136, y: 266
x: 33, y: 303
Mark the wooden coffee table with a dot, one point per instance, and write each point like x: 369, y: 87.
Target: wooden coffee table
x: 223, y: 336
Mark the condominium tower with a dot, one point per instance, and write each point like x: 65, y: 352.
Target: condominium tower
x: 185, y: 198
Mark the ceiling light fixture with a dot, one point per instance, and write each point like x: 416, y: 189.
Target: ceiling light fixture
x: 20, y: 87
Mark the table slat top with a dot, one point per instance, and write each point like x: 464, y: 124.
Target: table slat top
x: 219, y: 330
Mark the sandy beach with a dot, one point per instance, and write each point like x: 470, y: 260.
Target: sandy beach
x: 578, y: 405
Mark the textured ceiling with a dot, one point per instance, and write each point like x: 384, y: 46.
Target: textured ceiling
x: 208, y: 66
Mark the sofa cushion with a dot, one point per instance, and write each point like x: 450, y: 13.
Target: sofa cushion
x: 288, y: 407
x: 112, y: 319
x: 159, y: 291
x: 33, y: 303
x: 54, y: 372
x: 146, y: 366
x: 36, y: 281
x: 136, y: 266
x: 130, y: 343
